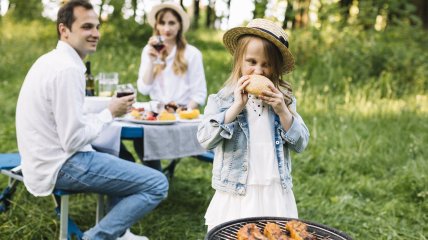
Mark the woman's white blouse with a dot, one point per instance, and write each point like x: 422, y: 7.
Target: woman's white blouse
x: 167, y: 86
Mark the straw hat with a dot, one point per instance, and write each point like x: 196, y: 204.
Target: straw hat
x: 151, y: 18
x: 265, y: 29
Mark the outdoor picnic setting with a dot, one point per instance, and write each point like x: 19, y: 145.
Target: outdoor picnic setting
x: 214, y: 119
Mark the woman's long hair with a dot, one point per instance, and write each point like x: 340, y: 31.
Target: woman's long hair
x: 272, y: 54
x: 180, y: 64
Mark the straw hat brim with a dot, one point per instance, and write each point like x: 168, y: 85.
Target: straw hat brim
x: 151, y: 18
x: 231, y: 37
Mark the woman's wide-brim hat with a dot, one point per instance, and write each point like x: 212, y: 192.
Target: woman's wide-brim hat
x: 265, y: 29
x: 151, y: 18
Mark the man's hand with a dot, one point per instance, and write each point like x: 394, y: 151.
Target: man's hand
x: 120, y: 106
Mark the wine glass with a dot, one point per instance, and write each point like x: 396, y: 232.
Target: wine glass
x: 159, y: 46
x: 124, y: 90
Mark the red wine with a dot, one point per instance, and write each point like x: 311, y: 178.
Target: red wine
x: 159, y: 46
x: 123, y: 94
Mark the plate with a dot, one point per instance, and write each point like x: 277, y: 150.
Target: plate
x: 128, y: 118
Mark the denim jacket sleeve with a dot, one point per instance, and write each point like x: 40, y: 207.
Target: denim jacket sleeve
x: 297, y: 137
x: 212, y: 130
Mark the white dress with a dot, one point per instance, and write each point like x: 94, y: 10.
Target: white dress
x: 265, y: 195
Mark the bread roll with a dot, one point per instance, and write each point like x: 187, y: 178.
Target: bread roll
x: 258, y: 84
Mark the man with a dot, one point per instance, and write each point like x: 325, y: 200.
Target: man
x: 54, y: 136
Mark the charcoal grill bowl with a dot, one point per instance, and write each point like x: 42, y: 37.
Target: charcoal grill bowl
x: 229, y: 230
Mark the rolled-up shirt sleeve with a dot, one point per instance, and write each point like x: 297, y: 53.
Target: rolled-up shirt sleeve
x: 297, y: 136
x: 212, y: 130
x: 145, y: 66
x: 73, y: 129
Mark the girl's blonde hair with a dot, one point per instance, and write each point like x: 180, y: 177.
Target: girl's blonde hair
x: 180, y: 64
x: 272, y: 54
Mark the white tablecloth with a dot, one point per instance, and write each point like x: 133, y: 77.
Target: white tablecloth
x: 160, y: 141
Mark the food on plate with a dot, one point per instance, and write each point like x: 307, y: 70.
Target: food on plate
x: 166, y: 116
x: 141, y: 114
x: 273, y: 232
x: 135, y: 113
x: 258, y: 84
x: 173, y: 107
x: 250, y: 232
x: 298, y: 230
x: 189, y: 114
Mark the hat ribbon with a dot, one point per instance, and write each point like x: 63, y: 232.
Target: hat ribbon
x: 280, y: 38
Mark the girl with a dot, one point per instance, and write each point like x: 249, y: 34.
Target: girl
x: 252, y: 136
x: 171, y: 70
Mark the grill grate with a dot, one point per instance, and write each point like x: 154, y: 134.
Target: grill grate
x: 229, y: 230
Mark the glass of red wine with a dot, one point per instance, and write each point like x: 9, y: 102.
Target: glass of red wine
x: 159, y: 46
x: 123, y: 90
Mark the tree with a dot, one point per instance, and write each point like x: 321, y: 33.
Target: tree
x: 288, y: 15
x: 26, y: 10
x: 422, y: 11
x: 210, y: 17
x: 301, y: 13
x: 345, y: 6
x: 195, y: 13
x: 259, y: 8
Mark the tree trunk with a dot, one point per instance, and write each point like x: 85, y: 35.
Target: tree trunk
x: 117, y: 5
x: 228, y: 13
x: 210, y: 17
x: 259, y: 8
x: 422, y: 10
x: 345, y: 6
x: 195, y: 13
x: 288, y: 15
x: 182, y: 5
x: 134, y: 7
x: 302, y: 10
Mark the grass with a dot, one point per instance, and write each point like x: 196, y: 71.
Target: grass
x: 364, y: 171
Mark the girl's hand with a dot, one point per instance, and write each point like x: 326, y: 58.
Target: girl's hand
x: 241, y: 97
x: 276, y: 100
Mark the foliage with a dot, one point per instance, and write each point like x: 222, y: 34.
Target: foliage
x: 388, y: 64
x: 361, y: 93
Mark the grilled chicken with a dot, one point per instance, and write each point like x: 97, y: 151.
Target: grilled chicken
x: 273, y: 232
x: 298, y: 231
x: 250, y: 232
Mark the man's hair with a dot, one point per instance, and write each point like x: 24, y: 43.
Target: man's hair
x: 65, y: 13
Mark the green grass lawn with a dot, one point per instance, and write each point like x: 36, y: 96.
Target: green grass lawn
x: 364, y: 171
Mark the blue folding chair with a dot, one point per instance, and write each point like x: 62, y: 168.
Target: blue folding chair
x: 9, y: 162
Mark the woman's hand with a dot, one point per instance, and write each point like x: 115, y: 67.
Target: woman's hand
x: 152, y: 51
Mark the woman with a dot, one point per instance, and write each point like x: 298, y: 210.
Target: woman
x: 180, y: 77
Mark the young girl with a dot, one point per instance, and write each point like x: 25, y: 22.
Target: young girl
x: 252, y: 136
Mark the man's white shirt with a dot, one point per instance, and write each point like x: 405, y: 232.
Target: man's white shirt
x: 50, y: 123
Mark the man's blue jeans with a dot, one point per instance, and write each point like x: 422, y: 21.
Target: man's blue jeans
x: 133, y: 189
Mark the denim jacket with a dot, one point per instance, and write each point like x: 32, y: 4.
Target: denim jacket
x: 230, y: 143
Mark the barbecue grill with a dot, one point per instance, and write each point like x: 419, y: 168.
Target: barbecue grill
x: 229, y: 230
